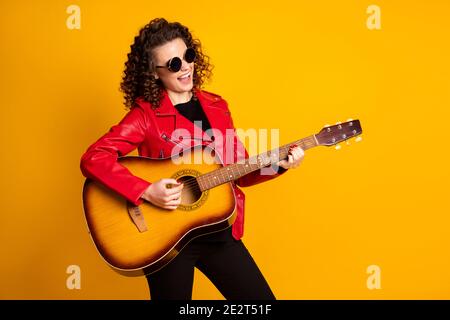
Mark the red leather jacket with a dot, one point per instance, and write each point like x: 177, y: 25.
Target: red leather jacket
x: 149, y: 131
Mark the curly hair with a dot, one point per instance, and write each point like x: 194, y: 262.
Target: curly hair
x: 138, y: 79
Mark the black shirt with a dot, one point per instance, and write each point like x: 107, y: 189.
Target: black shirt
x: 193, y: 111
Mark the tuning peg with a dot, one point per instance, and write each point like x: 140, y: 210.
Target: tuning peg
x: 358, y: 139
x: 337, y: 147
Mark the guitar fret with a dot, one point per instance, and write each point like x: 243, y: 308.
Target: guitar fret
x: 238, y: 166
x: 222, y: 176
x: 200, y: 183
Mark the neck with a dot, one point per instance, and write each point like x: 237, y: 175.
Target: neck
x: 177, y: 97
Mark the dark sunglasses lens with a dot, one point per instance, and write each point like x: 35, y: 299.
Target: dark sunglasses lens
x: 175, y: 64
x: 189, y: 56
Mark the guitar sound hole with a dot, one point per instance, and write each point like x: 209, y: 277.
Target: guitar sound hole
x: 191, y: 190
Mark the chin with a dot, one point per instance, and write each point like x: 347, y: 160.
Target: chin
x: 187, y: 88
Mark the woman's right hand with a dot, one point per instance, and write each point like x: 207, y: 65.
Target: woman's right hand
x: 163, y: 196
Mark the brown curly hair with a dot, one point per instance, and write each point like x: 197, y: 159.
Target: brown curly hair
x: 138, y: 79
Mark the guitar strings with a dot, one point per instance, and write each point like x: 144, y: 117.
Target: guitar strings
x: 305, y: 143
x: 192, y: 183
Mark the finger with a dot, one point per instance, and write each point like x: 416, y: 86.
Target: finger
x: 297, y: 160
x: 172, y: 184
x: 283, y: 163
x: 169, y: 181
x: 298, y: 154
x: 297, y: 157
x: 293, y: 147
x: 174, y: 197
x: 175, y: 190
x: 298, y: 150
x: 293, y: 154
x: 173, y: 202
x: 301, y: 153
x: 166, y: 199
x: 159, y: 203
x: 170, y: 207
x: 286, y: 163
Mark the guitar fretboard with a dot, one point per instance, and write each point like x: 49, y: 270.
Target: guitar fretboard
x: 236, y: 170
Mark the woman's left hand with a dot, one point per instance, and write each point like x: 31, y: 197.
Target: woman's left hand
x: 295, y: 157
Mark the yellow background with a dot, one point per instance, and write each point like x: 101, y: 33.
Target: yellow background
x: 291, y: 65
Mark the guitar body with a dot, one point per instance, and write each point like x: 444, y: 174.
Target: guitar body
x: 133, y: 253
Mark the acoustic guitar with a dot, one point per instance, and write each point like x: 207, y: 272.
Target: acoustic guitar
x: 141, y: 240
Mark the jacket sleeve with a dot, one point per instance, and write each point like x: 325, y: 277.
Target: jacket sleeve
x: 100, y: 163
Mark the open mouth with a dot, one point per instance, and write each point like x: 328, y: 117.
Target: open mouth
x: 185, y: 78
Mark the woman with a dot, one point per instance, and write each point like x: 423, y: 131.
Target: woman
x: 162, y: 82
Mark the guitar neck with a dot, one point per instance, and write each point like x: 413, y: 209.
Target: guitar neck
x: 236, y: 170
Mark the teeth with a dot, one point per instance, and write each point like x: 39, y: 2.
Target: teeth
x: 185, y: 76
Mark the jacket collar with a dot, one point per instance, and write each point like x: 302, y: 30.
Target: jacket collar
x: 207, y: 101
x: 166, y: 106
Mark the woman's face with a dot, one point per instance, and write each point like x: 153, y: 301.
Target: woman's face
x: 180, y: 82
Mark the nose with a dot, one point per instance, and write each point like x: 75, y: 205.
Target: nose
x: 185, y: 65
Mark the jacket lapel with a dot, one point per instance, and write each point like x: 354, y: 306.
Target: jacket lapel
x: 211, y: 113
x: 168, y: 113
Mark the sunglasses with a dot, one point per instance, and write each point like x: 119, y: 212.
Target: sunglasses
x: 175, y: 63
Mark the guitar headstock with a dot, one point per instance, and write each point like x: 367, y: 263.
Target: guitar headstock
x: 332, y: 135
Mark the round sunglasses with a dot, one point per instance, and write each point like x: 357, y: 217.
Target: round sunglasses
x: 174, y: 64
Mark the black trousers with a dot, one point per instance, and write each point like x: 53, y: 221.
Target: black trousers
x: 224, y: 260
